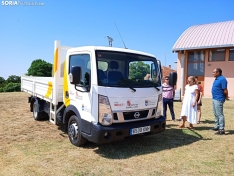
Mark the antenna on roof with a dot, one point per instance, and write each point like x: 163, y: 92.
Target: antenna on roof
x: 121, y: 36
x: 110, y: 40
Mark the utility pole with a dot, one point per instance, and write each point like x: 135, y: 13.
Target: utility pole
x: 165, y: 59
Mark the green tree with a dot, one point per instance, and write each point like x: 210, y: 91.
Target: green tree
x: 12, y: 84
x: 40, y: 67
x: 12, y: 87
x: 138, y: 70
x: 2, y: 81
x: 13, y: 79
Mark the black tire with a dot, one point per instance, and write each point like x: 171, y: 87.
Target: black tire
x: 37, y: 115
x: 74, y: 132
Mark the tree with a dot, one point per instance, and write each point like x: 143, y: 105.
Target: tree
x: 12, y: 84
x: 138, y: 70
x: 12, y: 87
x: 2, y: 81
x: 13, y: 79
x: 40, y: 67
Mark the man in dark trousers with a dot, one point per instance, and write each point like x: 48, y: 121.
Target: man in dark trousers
x: 219, y: 95
x: 168, y: 98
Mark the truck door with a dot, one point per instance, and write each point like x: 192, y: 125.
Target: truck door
x: 80, y: 95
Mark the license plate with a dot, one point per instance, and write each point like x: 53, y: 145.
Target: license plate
x: 139, y: 130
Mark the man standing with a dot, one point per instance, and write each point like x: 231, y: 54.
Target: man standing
x: 168, y: 98
x: 219, y: 94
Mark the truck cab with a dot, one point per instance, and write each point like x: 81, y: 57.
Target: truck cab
x: 104, y: 94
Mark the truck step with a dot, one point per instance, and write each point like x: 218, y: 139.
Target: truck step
x: 52, y: 117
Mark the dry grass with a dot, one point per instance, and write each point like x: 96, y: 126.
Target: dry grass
x: 33, y: 148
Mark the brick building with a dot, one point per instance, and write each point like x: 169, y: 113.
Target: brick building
x: 202, y: 48
x: 166, y: 71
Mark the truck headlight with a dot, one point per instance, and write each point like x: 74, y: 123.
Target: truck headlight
x: 159, y: 107
x: 105, y: 116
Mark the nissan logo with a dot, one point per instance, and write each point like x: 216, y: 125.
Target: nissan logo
x: 137, y: 115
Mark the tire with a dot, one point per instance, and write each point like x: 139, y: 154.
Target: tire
x: 74, y: 132
x: 36, y: 114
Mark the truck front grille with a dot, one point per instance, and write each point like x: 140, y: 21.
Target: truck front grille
x: 140, y: 114
x: 129, y: 116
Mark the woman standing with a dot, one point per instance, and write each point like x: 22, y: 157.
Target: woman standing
x: 168, y: 98
x: 189, y: 107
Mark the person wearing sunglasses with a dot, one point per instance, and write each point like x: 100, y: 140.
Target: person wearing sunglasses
x: 168, y: 98
x: 189, y: 107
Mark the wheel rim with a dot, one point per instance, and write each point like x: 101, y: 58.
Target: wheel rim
x: 73, y: 131
x: 34, y: 110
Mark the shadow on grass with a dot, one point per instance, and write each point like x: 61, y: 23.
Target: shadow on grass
x: 207, y: 128
x: 207, y: 121
x: 169, y: 139
x: 229, y: 132
x: 201, y: 128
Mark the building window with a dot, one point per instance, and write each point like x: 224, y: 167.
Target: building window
x: 231, y: 54
x: 217, y: 55
x: 196, y: 63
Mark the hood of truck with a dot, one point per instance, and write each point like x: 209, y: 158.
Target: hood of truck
x: 126, y: 99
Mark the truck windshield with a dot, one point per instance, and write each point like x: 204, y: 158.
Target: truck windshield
x: 120, y: 69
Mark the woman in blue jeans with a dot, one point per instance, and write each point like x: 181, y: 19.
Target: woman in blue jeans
x: 168, y: 98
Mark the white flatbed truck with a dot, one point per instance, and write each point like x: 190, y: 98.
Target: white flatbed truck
x: 99, y: 93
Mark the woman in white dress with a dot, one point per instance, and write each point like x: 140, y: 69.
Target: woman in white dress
x: 189, y: 107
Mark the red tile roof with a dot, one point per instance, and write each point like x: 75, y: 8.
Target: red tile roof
x: 166, y: 71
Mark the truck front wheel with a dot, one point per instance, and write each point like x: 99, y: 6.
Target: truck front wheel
x: 36, y: 114
x: 74, y: 132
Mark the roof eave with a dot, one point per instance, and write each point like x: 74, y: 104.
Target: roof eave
x: 202, y: 47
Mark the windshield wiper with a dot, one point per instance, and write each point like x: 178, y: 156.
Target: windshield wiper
x: 157, y: 88
x: 133, y: 90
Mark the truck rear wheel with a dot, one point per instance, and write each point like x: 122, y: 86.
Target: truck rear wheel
x: 74, y: 132
x: 36, y: 114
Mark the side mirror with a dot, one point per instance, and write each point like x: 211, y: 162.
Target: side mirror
x: 75, y: 75
x: 160, y: 66
x: 173, y: 78
x: 153, y: 73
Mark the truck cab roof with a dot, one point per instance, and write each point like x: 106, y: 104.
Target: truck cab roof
x: 89, y: 48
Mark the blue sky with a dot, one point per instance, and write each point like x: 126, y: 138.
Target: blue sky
x: 28, y: 32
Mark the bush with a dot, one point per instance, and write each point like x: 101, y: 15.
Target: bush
x: 12, y: 87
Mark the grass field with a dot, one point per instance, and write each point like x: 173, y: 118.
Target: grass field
x: 30, y: 147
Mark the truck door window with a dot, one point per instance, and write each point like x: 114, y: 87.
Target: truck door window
x: 82, y: 60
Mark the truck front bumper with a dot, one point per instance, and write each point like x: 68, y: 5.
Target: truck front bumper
x: 105, y: 134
